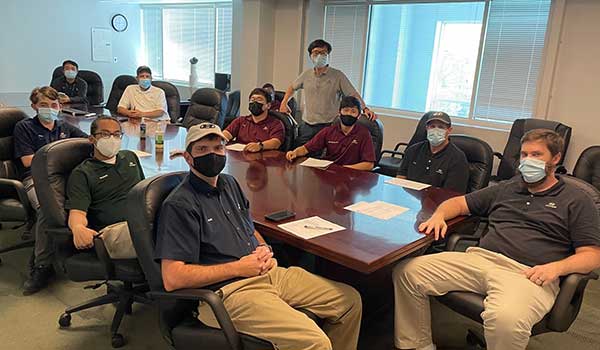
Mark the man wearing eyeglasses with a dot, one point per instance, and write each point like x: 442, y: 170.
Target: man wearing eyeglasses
x: 97, y: 191
x: 29, y: 136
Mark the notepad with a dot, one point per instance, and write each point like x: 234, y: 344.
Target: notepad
x: 311, y: 227
x: 316, y: 163
x: 407, y: 184
x: 238, y: 147
x: 378, y: 209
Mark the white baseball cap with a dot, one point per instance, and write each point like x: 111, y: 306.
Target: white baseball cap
x: 199, y: 131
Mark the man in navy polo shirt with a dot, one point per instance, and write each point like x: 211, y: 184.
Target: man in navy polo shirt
x: 206, y: 239
x: 29, y: 136
x: 347, y: 143
x: 259, y: 131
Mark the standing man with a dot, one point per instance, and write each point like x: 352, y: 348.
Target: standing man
x: 143, y: 100
x: 323, y: 87
x: 206, y: 239
x: 275, y: 104
x: 259, y: 131
x: 436, y: 161
x: 29, y: 136
x: 71, y: 88
x: 540, y: 228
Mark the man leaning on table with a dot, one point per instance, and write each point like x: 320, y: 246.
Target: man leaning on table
x: 143, y: 100
x: 206, y: 239
x: 258, y: 131
x: 540, y: 228
x: 345, y: 143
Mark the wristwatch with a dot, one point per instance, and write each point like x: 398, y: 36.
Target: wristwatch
x: 261, y: 145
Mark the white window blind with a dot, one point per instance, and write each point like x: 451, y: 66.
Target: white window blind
x: 511, y: 59
x: 345, y: 28
x: 172, y: 35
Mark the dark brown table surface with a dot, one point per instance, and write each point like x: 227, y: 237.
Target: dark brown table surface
x: 272, y: 184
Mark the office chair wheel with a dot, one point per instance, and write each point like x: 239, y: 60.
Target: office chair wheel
x: 117, y: 340
x: 64, y: 320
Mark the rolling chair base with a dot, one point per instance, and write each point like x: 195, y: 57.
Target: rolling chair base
x: 124, y: 297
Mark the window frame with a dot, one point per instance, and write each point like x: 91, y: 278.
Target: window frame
x: 215, y: 4
x: 496, y: 124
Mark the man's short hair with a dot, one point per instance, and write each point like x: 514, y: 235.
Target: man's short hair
x: 44, y: 91
x: 71, y: 62
x: 553, y: 141
x: 143, y: 69
x: 260, y: 91
x: 319, y: 43
x: 94, y: 126
x: 268, y: 85
x: 350, y: 101
x: 209, y: 137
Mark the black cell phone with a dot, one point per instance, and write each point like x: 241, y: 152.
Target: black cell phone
x: 280, y: 215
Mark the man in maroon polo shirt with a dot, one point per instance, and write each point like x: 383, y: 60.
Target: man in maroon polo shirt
x: 259, y: 131
x: 345, y: 143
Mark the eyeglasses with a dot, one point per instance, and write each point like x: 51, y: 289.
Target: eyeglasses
x: 207, y: 126
x: 106, y: 134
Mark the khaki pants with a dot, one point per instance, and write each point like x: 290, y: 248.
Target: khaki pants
x: 265, y: 307
x: 513, y: 304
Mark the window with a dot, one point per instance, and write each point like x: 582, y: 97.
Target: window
x: 172, y: 35
x: 475, y: 60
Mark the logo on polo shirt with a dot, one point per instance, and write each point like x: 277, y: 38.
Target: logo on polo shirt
x: 103, y: 177
x: 551, y: 205
x: 132, y: 164
x: 440, y: 171
x: 332, y: 142
x: 266, y: 129
x: 209, y: 219
x: 355, y: 141
x: 63, y: 135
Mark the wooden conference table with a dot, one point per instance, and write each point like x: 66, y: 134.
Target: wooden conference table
x: 272, y: 184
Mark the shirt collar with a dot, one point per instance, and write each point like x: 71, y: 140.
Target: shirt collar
x: 249, y: 118
x: 554, y: 190
x: 36, y: 120
x: 352, y: 131
x: 440, y: 153
x: 204, y: 187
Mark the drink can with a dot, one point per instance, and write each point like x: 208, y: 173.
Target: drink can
x: 159, y: 138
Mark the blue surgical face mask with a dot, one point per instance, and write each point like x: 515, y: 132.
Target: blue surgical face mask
x: 145, y: 83
x: 47, y: 114
x: 532, y: 170
x: 70, y: 74
x: 436, y: 136
x: 319, y: 61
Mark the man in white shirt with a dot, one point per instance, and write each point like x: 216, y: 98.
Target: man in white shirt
x: 143, y: 100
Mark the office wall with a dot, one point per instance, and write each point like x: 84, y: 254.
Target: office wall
x: 37, y: 36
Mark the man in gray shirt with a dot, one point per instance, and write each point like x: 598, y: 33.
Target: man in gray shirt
x: 323, y: 89
x: 541, y: 227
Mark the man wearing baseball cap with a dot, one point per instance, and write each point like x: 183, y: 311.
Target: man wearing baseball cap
x: 436, y: 161
x: 206, y: 239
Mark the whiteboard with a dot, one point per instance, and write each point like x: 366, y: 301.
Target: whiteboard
x: 101, y: 45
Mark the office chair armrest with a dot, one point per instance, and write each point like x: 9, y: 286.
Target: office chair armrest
x: 62, y: 231
x: 393, y: 153
x: 15, y: 189
x: 455, y: 238
x: 102, y: 254
x: 498, y: 155
x: 215, y: 303
x: 399, y: 144
x: 568, y: 301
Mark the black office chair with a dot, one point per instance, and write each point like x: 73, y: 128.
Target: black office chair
x: 390, y: 165
x: 587, y: 167
x: 14, y: 203
x: 293, y: 106
x: 118, y: 87
x: 178, y: 325
x: 568, y: 301
x: 51, y: 168
x: 95, y: 92
x: 376, y: 130
x: 509, y: 159
x: 290, y: 127
x: 480, y: 158
x: 233, y: 108
x: 173, y: 99
x: 207, y: 105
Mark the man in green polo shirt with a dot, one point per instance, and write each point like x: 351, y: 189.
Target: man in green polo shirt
x: 98, y: 187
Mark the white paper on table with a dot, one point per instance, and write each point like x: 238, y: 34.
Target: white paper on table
x: 378, y: 209
x: 141, y: 154
x: 238, y: 147
x: 316, y: 163
x: 407, y: 183
x: 311, y: 227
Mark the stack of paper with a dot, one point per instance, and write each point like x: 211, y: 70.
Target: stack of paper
x: 238, y: 147
x: 407, y: 183
x: 141, y: 154
x: 316, y: 163
x: 379, y: 209
x: 311, y: 227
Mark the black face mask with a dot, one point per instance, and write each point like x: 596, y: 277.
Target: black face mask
x: 348, y: 120
x: 209, y: 165
x: 256, y: 108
